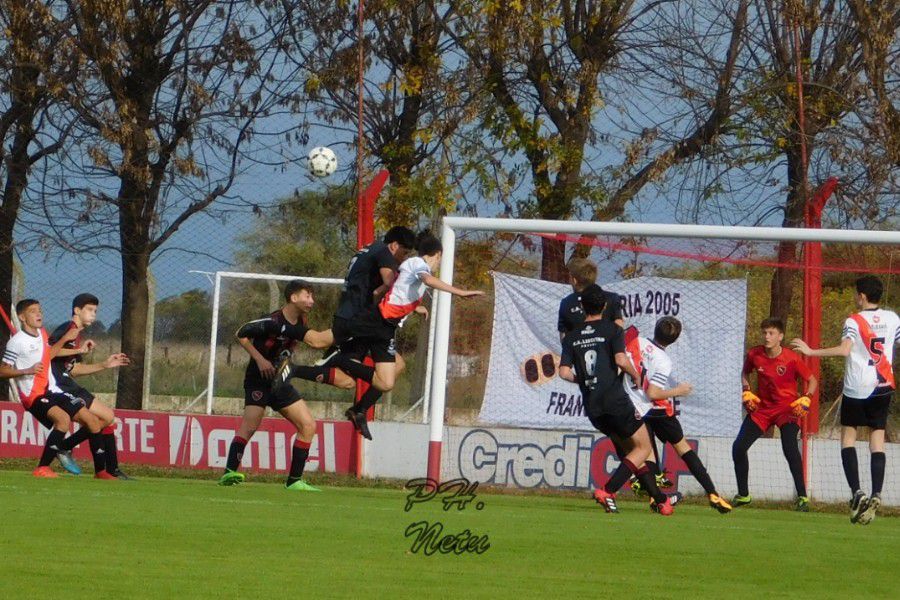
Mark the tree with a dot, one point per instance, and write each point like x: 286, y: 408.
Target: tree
x: 33, y: 64
x: 547, y: 69
x: 170, y: 104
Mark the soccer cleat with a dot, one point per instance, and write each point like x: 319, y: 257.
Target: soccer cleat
x: 857, y: 505
x: 802, y: 504
x: 667, y: 507
x: 118, y: 474
x: 607, y: 500
x: 359, y: 421
x: 719, y: 503
x: 739, y: 500
x: 636, y: 487
x: 302, y: 486
x: 44, y: 472
x: 104, y: 475
x: 282, y: 374
x: 231, y: 478
x: 663, y: 482
x: 868, y: 515
x: 67, y: 462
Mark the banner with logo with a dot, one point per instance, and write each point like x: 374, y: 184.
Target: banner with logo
x: 523, y: 388
x: 191, y: 441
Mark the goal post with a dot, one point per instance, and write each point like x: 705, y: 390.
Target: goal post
x: 216, y: 306
x: 453, y: 226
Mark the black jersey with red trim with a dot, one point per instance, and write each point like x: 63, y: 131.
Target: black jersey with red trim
x: 64, y: 364
x: 274, y: 337
x: 363, y: 278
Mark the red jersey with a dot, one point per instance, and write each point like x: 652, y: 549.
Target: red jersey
x: 776, y: 378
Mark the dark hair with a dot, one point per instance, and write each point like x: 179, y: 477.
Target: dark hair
x: 23, y: 305
x: 82, y: 300
x: 871, y: 286
x: 402, y: 235
x: 772, y: 323
x: 296, y: 285
x: 593, y: 299
x: 667, y: 330
x: 427, y: 244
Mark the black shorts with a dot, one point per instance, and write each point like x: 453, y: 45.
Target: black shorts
x: 357, y: 338
x: 868, y: 412
x: 66, y: 401
x: 68, y: 385
x: 261, y: 394
x: 667, y: 429
x: 613, y: 413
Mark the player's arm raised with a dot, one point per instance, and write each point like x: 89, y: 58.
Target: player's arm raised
x: 433, y: 282
x: 57, y: 347
x: 113, y: 361
x: 841, y: 350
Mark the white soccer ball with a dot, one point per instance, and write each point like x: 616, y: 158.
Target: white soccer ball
x: 321, y: 161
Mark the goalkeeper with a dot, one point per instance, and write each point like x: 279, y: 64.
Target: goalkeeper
x: 776, y: 403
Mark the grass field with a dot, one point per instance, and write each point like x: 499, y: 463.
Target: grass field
x: 182, y: 538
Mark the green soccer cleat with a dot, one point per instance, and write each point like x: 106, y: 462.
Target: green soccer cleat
x: 301, y: 486
x: 663, y: 482
x: 802, y: 504
x: 636, y: 487
x: 741, y: 500
x: 232, y: 478
x: 868, y: 515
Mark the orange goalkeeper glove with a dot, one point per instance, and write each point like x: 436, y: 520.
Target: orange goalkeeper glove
x: 801, y: 406
x: 750, y: 400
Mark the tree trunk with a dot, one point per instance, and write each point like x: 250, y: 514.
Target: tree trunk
x: 553, y: 260
x: 783, y: 279
x: 16, y: 179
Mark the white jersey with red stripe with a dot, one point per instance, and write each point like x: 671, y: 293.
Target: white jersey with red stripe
x: 657, y: 367
x: 24, y: 351
x: 861, y: 377
x: 407, y: 291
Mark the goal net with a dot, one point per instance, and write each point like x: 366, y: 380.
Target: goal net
x: 502, y: 415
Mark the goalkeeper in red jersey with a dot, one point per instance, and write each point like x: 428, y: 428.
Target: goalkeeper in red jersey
x: 776, y: 402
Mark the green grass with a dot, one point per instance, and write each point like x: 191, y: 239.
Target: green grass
x: 180, y: 538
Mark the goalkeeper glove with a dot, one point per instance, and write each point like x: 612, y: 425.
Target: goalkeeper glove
x: 801, y: 406
x: 750, y: 400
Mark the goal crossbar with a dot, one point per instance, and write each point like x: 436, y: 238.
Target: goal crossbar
x: 453, y: 224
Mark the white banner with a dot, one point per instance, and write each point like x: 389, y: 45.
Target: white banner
x: 709, y: 353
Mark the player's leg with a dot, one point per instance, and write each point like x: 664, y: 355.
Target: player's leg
x: 88, y: 420
x: 58, y: 422
x: 254, y: 411
x: 876, y: 415
x: 748, y: 434
x: 698, y: 470
x: 385, y: 355
x: 852, y: 416
x: 108, y: 436
x: 298, y: 413
x: 790, y: 434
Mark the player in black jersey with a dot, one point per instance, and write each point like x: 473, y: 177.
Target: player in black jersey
x: 358, y: 328
x: 269, y: 340
x: 68, y: 364
x: 583, y: 273
x: 591, y: 357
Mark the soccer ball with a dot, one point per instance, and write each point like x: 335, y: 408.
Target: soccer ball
x: 321, y: 161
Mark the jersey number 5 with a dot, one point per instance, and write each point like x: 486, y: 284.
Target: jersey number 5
x: 876, y: 347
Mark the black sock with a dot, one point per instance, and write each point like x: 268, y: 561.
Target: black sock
x: 622, y: 474
x: 235, y: 453
x: 76, y: 438
x: 354, y: 369
x: 653, y: 468
x: 318, y: 374
x: 791, y: 451
x: 878, y: 463
x: 98, y: 452
x: 749, y: 433
x: 54, y: 444
x: 112, y: 452
x: 649, y: 482
x: 298, y: 461
x: 851, y: 468
x: 368, y: 400
x: 699, y: 471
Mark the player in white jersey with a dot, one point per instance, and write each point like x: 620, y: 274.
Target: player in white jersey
x: 26, y: 360
x: 655, y: 399
x: 867, y: 345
